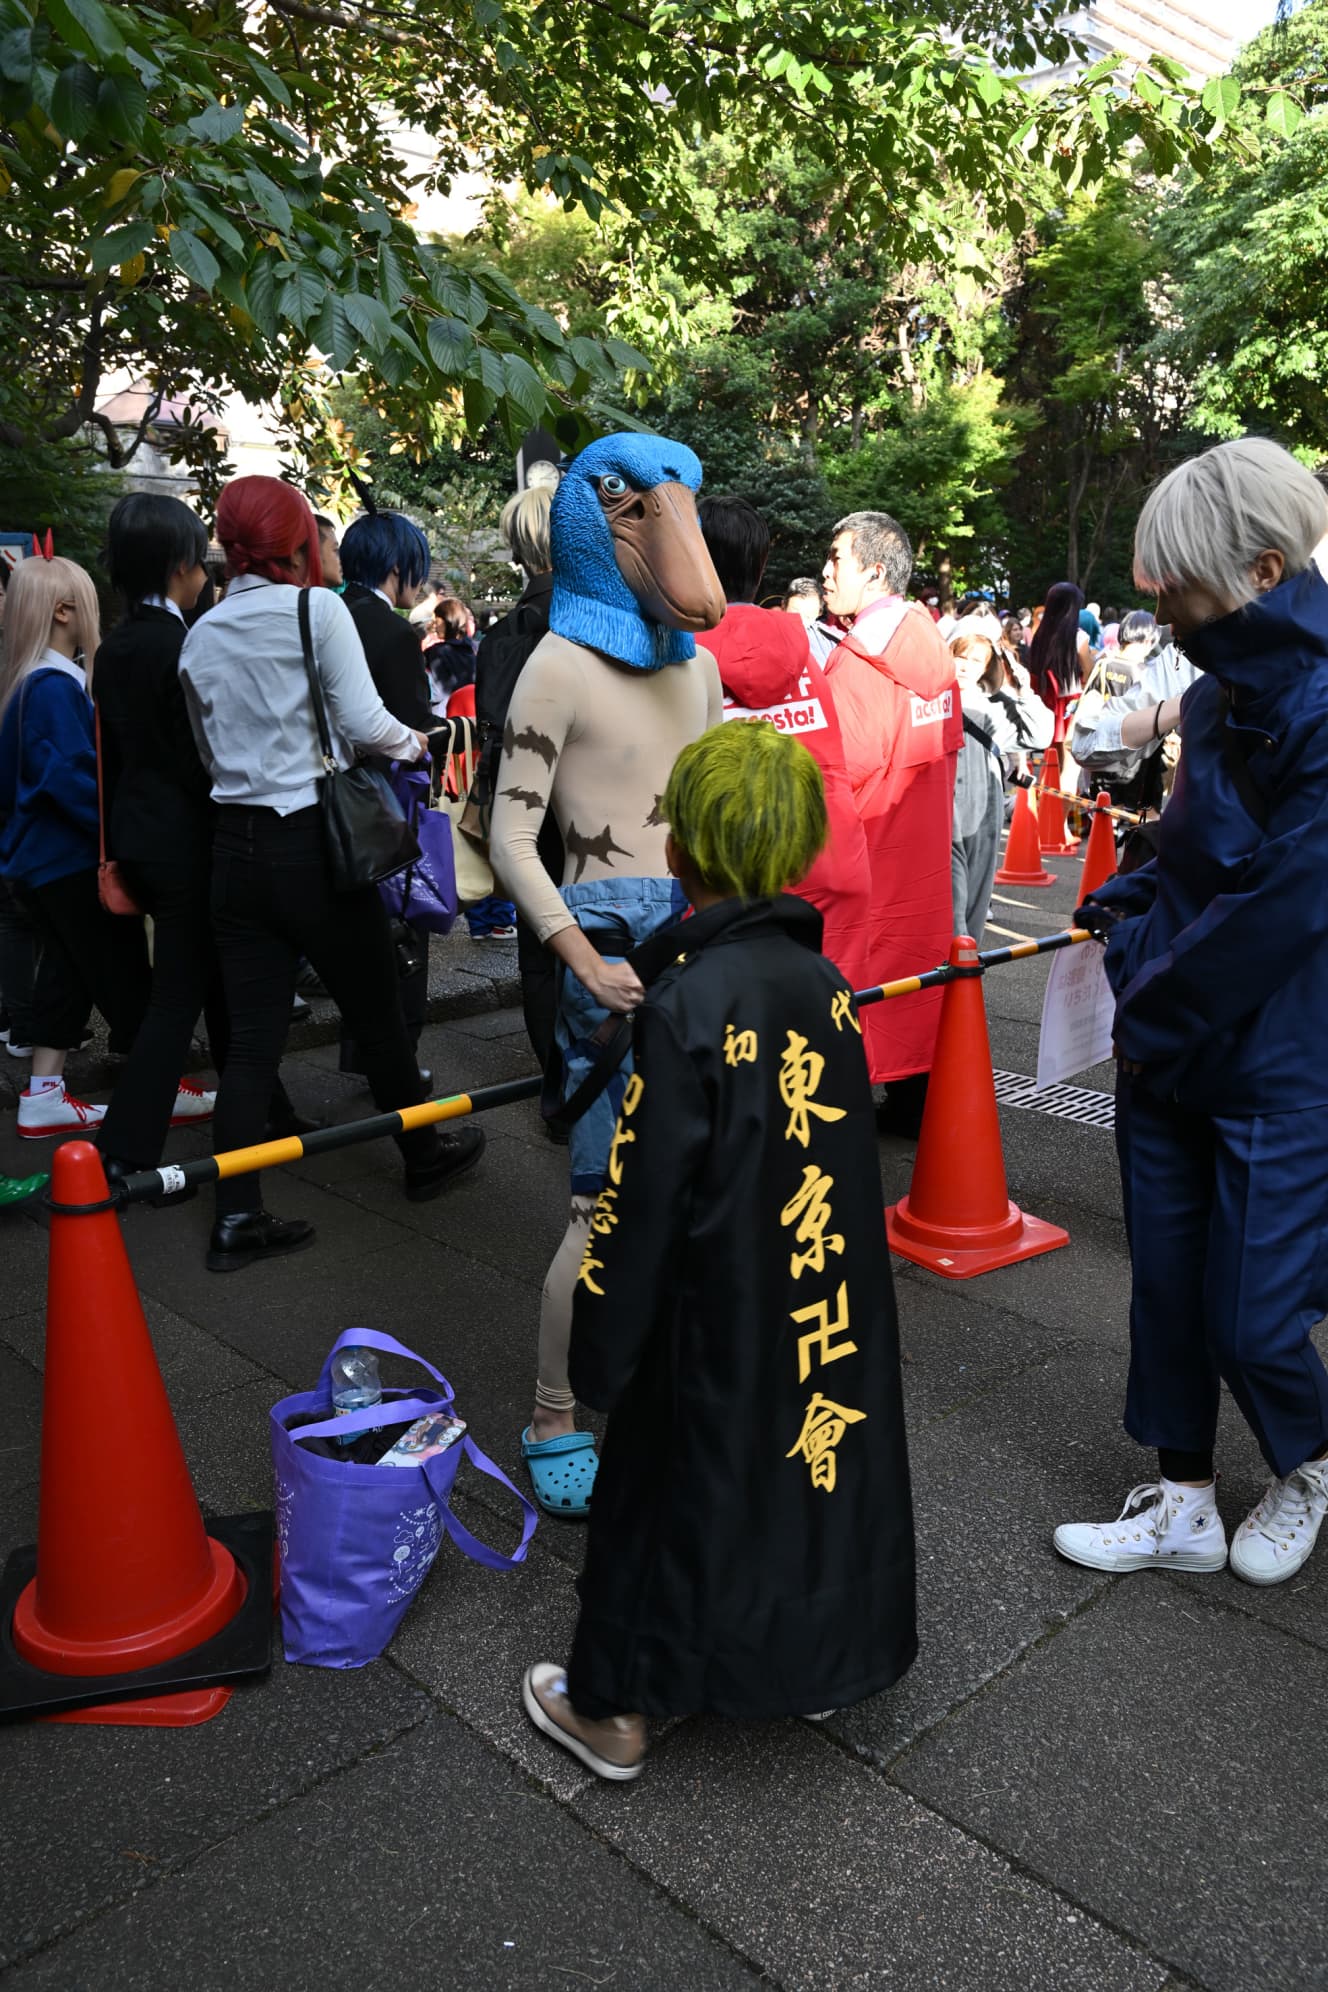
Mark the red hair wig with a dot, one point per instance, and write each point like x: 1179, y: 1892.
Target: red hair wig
x: 262, y: 523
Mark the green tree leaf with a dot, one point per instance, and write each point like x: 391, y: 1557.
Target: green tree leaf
x: 85, y: 25
x: 370, y: 320
x: 194, y: 258
x: 1284, y: 114
x: 525, y: 389
x: 272, y: 203
x: 74, y: 100
x: 451, y: 345
x: 218, y: 123
x: 120, y: 245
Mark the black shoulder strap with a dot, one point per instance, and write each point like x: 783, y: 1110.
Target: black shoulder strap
x: 980, y: 734
x: 315, y: 687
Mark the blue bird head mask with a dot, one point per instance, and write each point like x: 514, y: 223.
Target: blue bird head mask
x: 631, y: 574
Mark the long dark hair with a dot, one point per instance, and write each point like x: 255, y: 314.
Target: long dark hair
x: 1054, y: 653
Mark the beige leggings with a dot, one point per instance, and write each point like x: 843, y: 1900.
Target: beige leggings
x: 552, y: 1392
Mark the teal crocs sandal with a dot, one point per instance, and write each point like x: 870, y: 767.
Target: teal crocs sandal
x: 562, y: 1472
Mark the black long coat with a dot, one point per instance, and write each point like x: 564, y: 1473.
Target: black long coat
x: 751, y: 1534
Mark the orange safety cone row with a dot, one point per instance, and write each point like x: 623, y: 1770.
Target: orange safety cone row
x: 1056, y: 840
x: 130, y: 1611
x: 1023, y: 852
x: 1100, y: 850
x: 957, y: 1218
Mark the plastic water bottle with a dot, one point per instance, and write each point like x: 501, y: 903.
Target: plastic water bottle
x: 356, y: 1385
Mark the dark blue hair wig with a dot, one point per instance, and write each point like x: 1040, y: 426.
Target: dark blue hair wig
x: 376, y: 544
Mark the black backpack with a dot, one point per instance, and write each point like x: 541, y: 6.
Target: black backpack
x: 502, y: 656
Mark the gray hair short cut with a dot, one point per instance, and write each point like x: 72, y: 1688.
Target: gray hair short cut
x: 880, y: 541
x: 1209, y: 521
x: 524, y: 524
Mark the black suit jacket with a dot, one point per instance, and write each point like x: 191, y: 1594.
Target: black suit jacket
x: 157, y: 791
x: 396, y: 661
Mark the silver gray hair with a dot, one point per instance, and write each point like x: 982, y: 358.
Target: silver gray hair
x: 1209, y: 521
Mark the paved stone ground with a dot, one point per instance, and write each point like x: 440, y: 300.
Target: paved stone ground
x: 1084, y: 1782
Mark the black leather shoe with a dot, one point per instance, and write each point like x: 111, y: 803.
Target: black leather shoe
x: 116, y: 1171
x: 251, y: 1235
x: 459, y: 1149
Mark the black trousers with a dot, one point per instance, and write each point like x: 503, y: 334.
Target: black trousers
x: 272, y: 901
x: 85, y: 956
x: 18, y: 963
x: 186, y: 980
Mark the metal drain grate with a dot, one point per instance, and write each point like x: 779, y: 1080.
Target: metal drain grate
x: 1073, y: 1103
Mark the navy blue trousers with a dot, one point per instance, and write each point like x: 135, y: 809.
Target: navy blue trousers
x: 1227, y: 1220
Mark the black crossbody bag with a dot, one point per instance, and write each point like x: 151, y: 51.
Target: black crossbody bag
x: 365, y: 827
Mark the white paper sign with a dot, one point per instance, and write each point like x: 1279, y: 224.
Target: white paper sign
x: 1077, y: 1014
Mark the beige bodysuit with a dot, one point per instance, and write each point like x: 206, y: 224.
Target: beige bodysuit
x: 595, y: 741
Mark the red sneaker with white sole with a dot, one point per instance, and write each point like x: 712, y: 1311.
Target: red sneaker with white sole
x: 192, y: 1105
x: 53, y: 1111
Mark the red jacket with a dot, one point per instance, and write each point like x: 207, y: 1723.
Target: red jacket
x: 767, y: 670
x: 894, y: 686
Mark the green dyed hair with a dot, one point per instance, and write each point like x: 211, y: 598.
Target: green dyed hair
x: 747, y: 805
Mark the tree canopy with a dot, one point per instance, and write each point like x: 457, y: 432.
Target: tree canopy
x: 203, y: 194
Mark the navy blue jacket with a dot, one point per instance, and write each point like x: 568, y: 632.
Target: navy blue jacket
x: 1220, y: 967
x: 48, y: 780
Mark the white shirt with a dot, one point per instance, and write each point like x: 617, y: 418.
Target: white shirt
x: 55, y: 660
x: 245, y: 685
x: 164, y: 602
x: 1099, y: 746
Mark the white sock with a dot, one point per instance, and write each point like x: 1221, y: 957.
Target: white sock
x: 54, y: 1083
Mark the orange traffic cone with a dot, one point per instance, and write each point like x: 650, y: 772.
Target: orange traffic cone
x: 1100, y: 850
x: 130, y: 1611
x: 1023, y: 853
x: 1056, y: 840
x: 957, y: 1218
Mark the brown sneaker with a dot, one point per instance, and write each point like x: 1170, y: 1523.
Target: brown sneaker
x: 614, y: 1748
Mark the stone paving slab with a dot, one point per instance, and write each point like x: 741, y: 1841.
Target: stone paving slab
x: 989, y: 1482
x: 21, y: 1396
x: 825, y: 1875
x: 93, y: 1815
x: 1160, y: 1760
x: 432, y: 1862
x: 471, y: 1635
x: 193, y: 1364
x: 514, y: 1233
x: 1080, y: 1291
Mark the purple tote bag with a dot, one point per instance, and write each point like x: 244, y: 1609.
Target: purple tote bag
x: 356, y: 1542
x: 425, y: 893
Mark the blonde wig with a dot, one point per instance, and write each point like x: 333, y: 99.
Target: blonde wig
x: 37, y: 588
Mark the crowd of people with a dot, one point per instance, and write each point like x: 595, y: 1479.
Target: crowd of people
x: 716, y: 819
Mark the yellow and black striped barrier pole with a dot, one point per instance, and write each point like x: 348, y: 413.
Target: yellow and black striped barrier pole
x: 1090, y: 807
x: 294, y: 1148
x: 936, y: 978
x: 174, y: 1176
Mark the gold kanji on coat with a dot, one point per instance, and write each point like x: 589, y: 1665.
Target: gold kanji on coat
x: 821, y: 1338
x: 823, y: 1427
x: 800, y: 1071
x: 740, y: 1047
x: 809, y: 1209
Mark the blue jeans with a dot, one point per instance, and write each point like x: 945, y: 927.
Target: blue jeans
x: 636, y: 908
x: 486, y: 914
